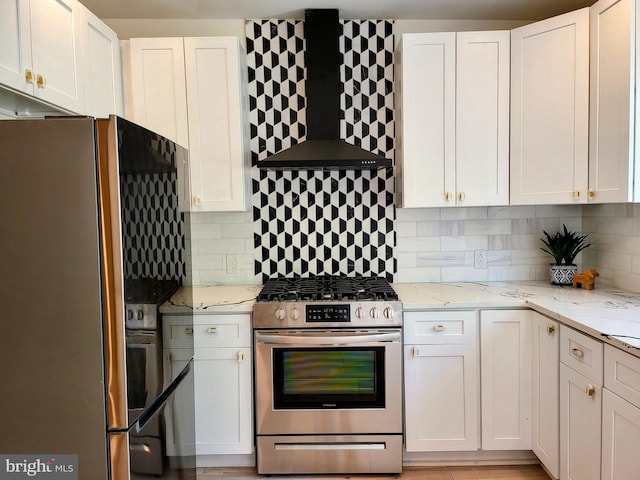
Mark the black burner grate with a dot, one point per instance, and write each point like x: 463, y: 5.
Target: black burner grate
x: 332, y: 288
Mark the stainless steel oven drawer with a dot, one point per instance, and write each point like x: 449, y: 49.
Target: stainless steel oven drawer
x: 329, y: 454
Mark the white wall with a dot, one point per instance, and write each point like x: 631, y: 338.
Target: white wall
x: 131, y: 28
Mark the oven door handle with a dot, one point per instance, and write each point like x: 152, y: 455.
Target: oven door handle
x: 323, y: 339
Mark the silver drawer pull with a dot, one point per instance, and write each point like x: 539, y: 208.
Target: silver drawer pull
x: 240, y: 356
x: 576, y: 352
x: 415, y: 352
x: 439, y: 328
x: 212, y: 330
x: 188, y: 331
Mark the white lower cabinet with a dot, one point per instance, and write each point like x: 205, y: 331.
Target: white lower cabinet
x: 179, y: 412
x: 222, y: 379
x: 505, y: 379
x: 441, y: 381
x: 545, y: 392
x: 620, y: 415
x: 580, y: 405
x: 620, y: 438
x: 223, y: 401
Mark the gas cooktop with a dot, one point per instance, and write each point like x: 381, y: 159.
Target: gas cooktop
x: 327, y: 301
x: 327, y: 288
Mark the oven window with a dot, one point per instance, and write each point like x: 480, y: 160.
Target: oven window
x: 328, y: 377
x: 136, y: 382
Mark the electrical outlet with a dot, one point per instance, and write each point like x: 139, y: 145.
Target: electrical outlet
x: 233, y: 264
x: 480, y: 259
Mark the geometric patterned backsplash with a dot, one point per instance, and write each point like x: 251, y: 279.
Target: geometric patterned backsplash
x: 152, y: 227
x: 322, y: 222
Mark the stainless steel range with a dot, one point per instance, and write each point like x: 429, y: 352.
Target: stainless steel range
x: 328, y: 354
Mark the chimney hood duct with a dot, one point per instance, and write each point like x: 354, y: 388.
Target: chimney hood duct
x: 323, y: 148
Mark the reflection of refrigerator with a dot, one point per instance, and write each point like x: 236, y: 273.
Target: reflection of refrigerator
x: 89, y: 208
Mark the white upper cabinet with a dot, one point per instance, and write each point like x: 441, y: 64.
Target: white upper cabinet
x: 218, y: 123
x: 453, y: 109
x: 41, y: 50
x: 550, y: 110
x: 158, y: 87
x: 15, y: 38
x: 425, y: 155
x: 193, y: 90
x: 482, y: 118
x: 611, y: 147
x: 102, y: 68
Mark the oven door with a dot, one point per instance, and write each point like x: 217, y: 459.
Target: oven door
x: 319, y: 381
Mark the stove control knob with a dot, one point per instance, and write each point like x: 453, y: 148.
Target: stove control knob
x: 360, y: 312
x: 375, y: 313
x: 281, y: 314
x: 295, y: 314
x: 388, y: 312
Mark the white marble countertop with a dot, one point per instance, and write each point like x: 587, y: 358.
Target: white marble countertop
x: 212, y: 299
x: 610, y: 315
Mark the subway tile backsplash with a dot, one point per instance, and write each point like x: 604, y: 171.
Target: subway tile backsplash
x: 615, y: 235
x: 438, y: 245
x: 434, y: 245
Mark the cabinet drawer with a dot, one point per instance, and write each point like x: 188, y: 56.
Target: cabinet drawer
x: 207, y: 331
x: 177, y: 331
x: 440, y: 327
x: 622, y: 374
x: 222, y: 330
x: 582, y: 353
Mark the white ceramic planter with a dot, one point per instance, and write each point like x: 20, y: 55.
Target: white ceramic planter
x: 562, y: 274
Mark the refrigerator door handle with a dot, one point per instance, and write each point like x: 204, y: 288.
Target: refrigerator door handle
x: 154, y: 407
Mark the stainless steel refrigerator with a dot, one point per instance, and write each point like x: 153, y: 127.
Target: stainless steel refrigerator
x: 90, y: 209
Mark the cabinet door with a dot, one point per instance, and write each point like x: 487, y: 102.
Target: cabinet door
x: 55, y: 49
x: 482, y: 118
x: 218, y: 128
x: 102, y: 67
x: 612, y: 113
x: 15, y: 38
x: 546, y: 397
x: 505, y: 379
x: 620, y: 438
x: 158, y: 88
x: 550, y: 110
x: 223, y: 401
x: 427, y: 165
x: 580, y: 426
x: 181, y: 432
x: 441, y: 397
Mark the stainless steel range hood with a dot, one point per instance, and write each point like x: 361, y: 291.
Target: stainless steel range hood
x: 323, y: 148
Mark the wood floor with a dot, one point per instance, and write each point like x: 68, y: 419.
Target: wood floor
x: 511, y: 472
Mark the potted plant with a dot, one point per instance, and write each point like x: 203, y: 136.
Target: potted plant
x: 563, y: 247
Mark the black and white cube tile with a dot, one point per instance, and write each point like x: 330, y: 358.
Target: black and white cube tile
x: 152, y: 235
x: 322, y: 222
